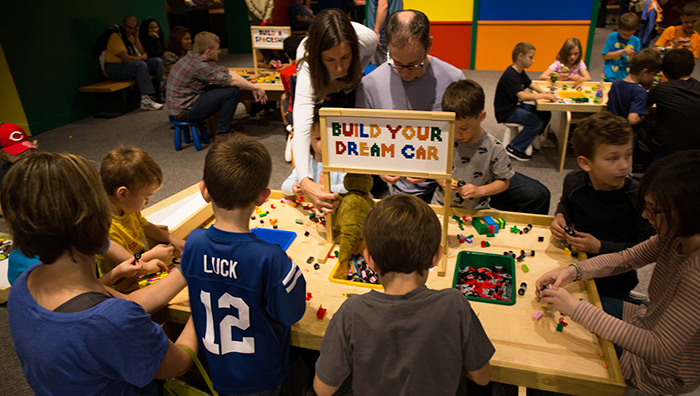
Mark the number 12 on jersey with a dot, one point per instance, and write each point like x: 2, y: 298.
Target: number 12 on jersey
x: 228, y: 345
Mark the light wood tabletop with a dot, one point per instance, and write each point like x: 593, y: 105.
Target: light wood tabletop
x: 528, y: 353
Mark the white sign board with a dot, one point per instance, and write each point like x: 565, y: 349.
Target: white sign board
x: 386, y: 144
x: 269, y: 36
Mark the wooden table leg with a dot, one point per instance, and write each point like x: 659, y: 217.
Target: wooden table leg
x: 560, y: 123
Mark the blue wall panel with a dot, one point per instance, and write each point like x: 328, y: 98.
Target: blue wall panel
x: 535, y: 10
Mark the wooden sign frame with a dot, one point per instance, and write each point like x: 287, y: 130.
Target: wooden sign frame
x: 286, y: 29
x: 388, y: 114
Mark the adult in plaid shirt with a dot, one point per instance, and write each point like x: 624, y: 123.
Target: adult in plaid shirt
x: 198, y: 87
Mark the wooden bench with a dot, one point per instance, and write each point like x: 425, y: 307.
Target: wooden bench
x: 114, y: 97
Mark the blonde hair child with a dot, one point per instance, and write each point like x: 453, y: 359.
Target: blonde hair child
x: 569, y: 65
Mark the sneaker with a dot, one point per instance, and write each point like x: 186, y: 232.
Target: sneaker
x: 515, y: 154
x: 147, y: 103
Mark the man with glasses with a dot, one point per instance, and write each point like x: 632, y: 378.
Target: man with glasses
x: 126, y: 59
x: 413, y: 80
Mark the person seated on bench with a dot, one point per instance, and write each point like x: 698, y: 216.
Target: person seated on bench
x: 199, y: 88
x: 126, y: 59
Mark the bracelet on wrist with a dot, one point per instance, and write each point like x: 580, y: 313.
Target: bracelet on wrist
x: 578, y: 271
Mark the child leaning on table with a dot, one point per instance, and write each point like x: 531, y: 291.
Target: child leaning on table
x: 599, y: 200
x: 683, y: 36
x: 480, y: 166
x: 291, y: 184
x: 245, y: 293
x: 620, y: 48
x: 569, y: 65
x: 73, y: 335
x: 130, y: 176
x: 389, y: 341
x: 657, y: 344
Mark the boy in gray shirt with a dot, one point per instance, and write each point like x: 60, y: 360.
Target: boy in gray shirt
x: 409, y: 340
x: 480, y: 167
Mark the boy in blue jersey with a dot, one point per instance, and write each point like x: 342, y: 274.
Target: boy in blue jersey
x: 620, y: 48
x: 244, y: 293
x: 409, y: 340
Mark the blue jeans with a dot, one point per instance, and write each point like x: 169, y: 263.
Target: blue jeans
x: 524, y: 194
x: 534, y: 122
x: 140, y: 71
x: 270, y: 392
x: 221, y: 99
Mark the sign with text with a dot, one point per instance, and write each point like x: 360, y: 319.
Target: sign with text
x: 389, y: 141
x: 271, y: 37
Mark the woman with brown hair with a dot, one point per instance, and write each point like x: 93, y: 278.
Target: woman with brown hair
x: 179, y: 42
x: 330, y: 67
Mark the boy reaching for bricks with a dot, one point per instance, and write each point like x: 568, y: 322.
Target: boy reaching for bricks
x: 388, y: 341
x: 599, y: 200
x: 481, y: 167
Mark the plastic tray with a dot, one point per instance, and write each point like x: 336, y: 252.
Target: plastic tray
x: 280, y: 237
x: 478, y: 260
x: 340, y: 271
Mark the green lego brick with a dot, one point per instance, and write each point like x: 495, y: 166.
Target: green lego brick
x: 560, y: 327
x: 490, y: 235
x: 525, y: 268
x: 480, y: 226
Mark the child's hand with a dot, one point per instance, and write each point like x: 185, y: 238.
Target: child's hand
x: 584, y: 242
x: 574, y: 77
x: 557, y: 227
x: 260, y: 95
x: 414, y: 180
x: 162, y: 252
x: 296, y: 188
x: 549, y: 97
x: 562, y: 300
x: 390, y: 179
x: 131, y: 267
x: 628, y: 51
x: 177, y: 243
x: 556, y: 278
x: 470, y: 191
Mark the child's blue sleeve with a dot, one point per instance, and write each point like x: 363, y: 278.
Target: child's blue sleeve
x: 610, y: 43
x: 337, y: 185
x: 287, y: 300
x: 288, y: 185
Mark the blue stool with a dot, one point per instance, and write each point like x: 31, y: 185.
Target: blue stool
x: 196, y: 130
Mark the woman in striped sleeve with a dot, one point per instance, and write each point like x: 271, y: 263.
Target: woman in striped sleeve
x: 659, y: 344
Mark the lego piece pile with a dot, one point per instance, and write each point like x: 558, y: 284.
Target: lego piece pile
x: 493, y: 283
x: 359, y: 271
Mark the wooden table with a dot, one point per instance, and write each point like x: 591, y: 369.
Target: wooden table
x: 564, y: 113
x: 274, y: 90
x: 528, y: 353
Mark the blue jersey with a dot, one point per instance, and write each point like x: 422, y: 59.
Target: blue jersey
x: 244, y: 296
x: 619, y: 67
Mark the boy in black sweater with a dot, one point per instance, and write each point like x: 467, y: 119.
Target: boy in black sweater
x: 600, y: 201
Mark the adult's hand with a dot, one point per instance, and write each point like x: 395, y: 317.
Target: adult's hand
x: 324, y: 202
x: 260, y: 95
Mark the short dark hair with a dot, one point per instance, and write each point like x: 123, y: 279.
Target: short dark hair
x: 628, y: 22
x: 522, y: 48
x: 399, y: 33
x: 465, y: 98
x: 54, y: 203
x: 646, y: 59
x: 290, y: 46
x: 678, y: 63
x: 600, y: 128
x: 691, y: 9
x: 130, y: 167
x: 402, y: 234
x: 674, y: 186
x: 236, y: 171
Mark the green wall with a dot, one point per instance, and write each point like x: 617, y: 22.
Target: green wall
x: 48, y: 46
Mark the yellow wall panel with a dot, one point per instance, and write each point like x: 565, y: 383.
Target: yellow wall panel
x: 495, y: 41
x: 443, y: 10
x: 11, y: 109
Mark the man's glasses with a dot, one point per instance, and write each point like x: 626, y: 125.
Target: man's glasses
x: 394, y: 66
